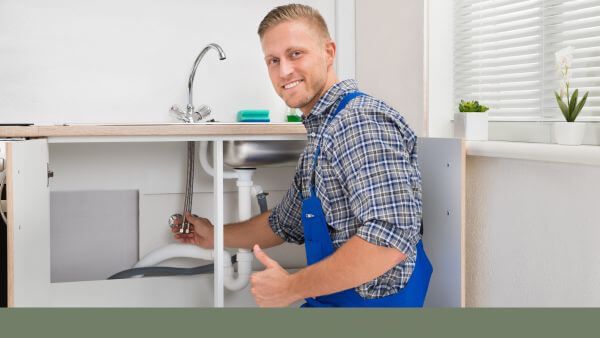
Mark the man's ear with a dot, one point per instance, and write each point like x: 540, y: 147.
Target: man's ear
x: 330, y: 50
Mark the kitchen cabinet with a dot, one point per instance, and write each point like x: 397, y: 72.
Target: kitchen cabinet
x: 29, y: 162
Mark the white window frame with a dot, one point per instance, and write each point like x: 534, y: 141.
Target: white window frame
x: 441, y: 94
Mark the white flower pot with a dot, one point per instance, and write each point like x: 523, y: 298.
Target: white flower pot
x: 471, y: 126
x: 568, y: 133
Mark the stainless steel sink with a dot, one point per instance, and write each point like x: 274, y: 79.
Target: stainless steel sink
x: 252, y: 154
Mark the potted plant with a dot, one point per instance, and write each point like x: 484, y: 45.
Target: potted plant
x: 568, y: 132
x: 471, y: 123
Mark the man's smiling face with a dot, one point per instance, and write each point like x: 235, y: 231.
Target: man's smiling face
x: 299, y: 61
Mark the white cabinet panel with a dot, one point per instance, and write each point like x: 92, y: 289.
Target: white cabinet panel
x: 442, y: 165
x: 28, y: 223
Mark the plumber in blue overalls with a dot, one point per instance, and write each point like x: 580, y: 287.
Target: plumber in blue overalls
x: 377, y: 262
x: 283, y: 33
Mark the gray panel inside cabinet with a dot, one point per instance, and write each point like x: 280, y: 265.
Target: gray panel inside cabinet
x: 93, y: 234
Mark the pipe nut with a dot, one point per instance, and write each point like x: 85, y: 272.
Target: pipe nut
x: 175, y: 220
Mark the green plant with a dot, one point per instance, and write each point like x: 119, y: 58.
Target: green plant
x: 570, y: 109
x: 471, y: 107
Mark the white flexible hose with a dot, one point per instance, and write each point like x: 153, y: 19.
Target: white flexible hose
x: 244, y: 258
x: 175, y: 251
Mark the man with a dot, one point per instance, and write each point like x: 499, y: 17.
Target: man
x: 356, y: 197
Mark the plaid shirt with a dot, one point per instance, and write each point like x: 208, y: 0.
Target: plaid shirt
x: 366, y: 178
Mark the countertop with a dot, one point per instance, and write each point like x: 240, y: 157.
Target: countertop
x: 150, y: 129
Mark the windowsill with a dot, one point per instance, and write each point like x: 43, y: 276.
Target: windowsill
x: 586, y: 119
x: 537, y: 132
x: 583, y: 154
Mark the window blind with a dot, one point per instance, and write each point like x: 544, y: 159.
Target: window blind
x: 504, y: 54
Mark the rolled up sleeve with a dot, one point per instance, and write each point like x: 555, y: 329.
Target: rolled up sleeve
x: 286, y: 218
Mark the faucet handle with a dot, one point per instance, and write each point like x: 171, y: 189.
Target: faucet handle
x: 176, y: 110
x: 179, y: 113
x: 201, y: 113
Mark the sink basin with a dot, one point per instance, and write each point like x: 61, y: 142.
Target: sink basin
x: 252, y: 154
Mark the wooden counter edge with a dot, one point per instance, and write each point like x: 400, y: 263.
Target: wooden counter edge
x: 153, y: 130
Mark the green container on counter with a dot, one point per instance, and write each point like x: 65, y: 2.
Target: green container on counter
x: 294, y: 115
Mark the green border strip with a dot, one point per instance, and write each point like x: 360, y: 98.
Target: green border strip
x: 306, y: 323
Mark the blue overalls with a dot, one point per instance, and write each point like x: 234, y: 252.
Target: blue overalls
x: 319, y: 245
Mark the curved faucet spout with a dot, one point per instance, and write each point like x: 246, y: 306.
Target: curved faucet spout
x: 190, y: 107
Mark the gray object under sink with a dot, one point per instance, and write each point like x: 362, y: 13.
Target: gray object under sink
x: 252, y: 154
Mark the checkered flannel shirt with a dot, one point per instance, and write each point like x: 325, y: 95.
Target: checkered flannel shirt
x: 366, y: 178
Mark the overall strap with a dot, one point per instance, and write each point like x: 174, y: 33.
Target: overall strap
x: 343, y: 103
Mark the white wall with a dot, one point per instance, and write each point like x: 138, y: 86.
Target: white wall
x: 390, y: 55
x: 532, y: 233
x: 440, y: 61
x: 404, y: 55
x: 128, y: 61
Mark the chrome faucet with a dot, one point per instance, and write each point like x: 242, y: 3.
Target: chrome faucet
x: 193, y: 114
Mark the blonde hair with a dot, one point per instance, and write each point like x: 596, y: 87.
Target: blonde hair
x: 294, y: 12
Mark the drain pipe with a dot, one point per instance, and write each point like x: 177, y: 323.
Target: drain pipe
x: 244, y: 256
x: 203, y: 152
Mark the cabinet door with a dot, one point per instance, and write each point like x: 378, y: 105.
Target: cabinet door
x: 442, y: 164
x: 28, y: 210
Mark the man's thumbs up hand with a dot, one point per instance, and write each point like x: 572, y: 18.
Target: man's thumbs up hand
x: 271, y: 287
x: 262, y: 257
